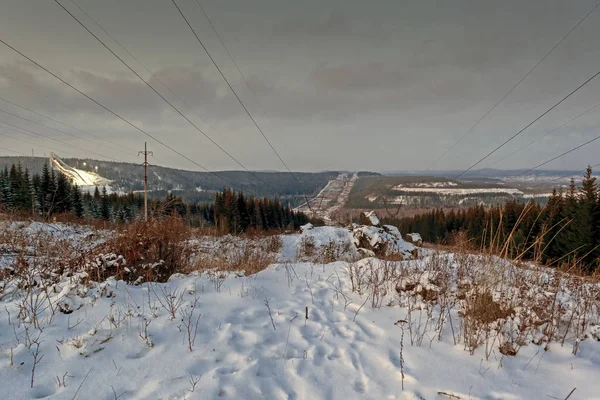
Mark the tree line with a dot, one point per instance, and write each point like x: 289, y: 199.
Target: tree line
x: 566, y: 229
x: 233, y: 212
x: 50, y: 193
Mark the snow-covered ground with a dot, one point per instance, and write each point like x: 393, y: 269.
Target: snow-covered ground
x: 457, y: 191
x: 297, y: 330
x: 331, y: 198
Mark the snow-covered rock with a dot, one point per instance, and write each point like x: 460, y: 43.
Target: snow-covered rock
x: 414, y: 238
x: 381, y: 241
x: 307, y: 227
x: 350, y: 243
x: 369, y: 218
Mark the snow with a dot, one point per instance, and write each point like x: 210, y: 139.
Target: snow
x: 537, y: 195
x: 307, y: 227
x: 415, y: 237
x: 118, y: 340
x: 383, y: 241
x: 294, y: 247
x: 458, y: 191
x: 343, y: 243
x: 84, y: 178
x: 330, y: 199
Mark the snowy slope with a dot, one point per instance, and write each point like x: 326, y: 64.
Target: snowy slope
x: 253, y: 340
x: 240, y: 354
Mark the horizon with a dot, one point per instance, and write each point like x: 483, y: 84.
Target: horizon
x: 420, y: 173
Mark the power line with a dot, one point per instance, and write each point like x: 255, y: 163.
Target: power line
x: 58, y: 102
x: 164, y: 98
x: 39, y: 135
x: 547, y: 134
x: 232, y: 59
x: 27, y: 141
x: 13, y: 151
x: 240, y: 100
x: 514, y: 86
x: 528, y: 125
x: 56, y: 130
x: 58, y: 122
x: 114, y: 113
x: 155, y: 76
x: 242, y: 75
x: 560, y: 155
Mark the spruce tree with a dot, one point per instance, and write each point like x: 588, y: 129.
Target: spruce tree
x: 77, y: 202
x: 105, y: 209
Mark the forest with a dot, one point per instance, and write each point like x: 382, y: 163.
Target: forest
x: 566, y: 229
x: 50, y: 194
x: 192, y: 186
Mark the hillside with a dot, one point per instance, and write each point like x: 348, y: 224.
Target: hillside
x: 192, y: 185
x: 313, y: 322
x: 435, y: 192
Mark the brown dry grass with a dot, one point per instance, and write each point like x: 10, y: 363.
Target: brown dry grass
x: 152, y: 250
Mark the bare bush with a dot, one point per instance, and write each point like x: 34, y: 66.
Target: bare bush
x: 150, y: 251
x: 190, y: 322
x: 170, y: 300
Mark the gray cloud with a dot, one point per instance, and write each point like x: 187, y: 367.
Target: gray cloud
x: 383, y: 85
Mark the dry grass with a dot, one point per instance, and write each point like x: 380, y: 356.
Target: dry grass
x: 484, y: 299
x: 151, y: 252
x: 248, y: 260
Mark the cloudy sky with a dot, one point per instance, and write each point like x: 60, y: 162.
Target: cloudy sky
x: 339, y: 84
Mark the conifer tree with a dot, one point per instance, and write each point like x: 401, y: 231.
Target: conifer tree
x: 105, y: 211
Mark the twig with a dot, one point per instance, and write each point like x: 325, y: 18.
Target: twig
x: 82, y: 382
x: 288, y: 336
x: 526, y: 365
x: 572, y: 391
x: 115, y: 393
x: 193, y: 382
x: 270, y: 315
x: 360, y: 308
x: 450, y: 396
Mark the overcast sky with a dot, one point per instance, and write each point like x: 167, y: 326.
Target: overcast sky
x: 342, y: 84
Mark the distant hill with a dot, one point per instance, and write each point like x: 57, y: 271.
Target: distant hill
x: 436, y: 192
x: 192, y: 185
x: 485, y: 173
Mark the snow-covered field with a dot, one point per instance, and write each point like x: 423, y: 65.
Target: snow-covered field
x: 458, y: 191
x: 354, y: 329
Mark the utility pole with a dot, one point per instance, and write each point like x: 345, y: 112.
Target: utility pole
x: 145, y: 153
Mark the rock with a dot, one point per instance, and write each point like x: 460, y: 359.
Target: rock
x: 365, y: 252
x: 381, y: 242
x: 307, y: 227
x: 369, y: 218
x: 414, y: 238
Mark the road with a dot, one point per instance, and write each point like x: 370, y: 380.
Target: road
x: 333, y: 197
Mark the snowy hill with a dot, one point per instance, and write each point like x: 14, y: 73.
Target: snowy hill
x: 355, y: 329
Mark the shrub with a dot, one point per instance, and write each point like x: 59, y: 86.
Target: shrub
x: 151, y: 251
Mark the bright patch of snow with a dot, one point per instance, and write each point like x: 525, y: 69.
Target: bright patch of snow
x: 414, y: 238
x: 307, y: 227
x: 458, y: 191
x: 295, y: 330
x: 114, y: 338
